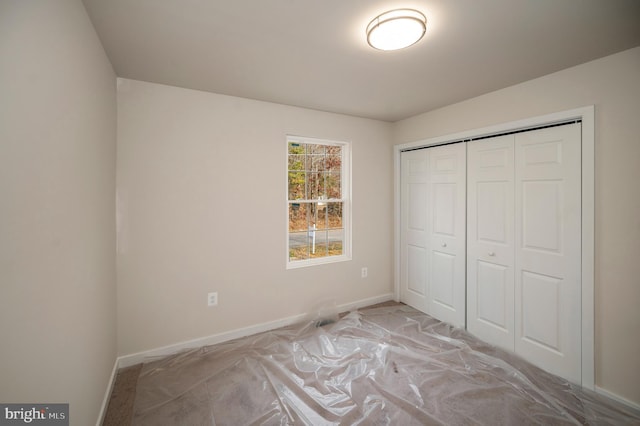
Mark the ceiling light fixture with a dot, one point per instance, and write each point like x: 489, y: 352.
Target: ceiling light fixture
x: 396, y: 29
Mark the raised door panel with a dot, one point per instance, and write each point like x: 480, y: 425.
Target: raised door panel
x: 416, y: 220
x: 447, y: 208
x: 541, y: 327
x: 492, y: 303
x: 444, y: 208
x: 542, y: 210
x: 491, y: 211
x: 416, y: 271
x: 548, y: 249
x: 490, y: 240
x: 443, y: 277
x: 414, y: 223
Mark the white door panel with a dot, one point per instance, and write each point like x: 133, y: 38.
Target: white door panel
x: 414, y: 221
x: 492, y: 305
x: 492, y: 220
x: 442, y: 279
x: 417, y: 203
x: 548, y: 249
x: 490, y: 240
x: 447, y: 287
x: 541, y: 326
x: 416, y: 271
x: 433, y: 230
x: 444, y: 204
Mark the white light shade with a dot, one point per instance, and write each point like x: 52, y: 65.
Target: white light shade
x: 396, y: 29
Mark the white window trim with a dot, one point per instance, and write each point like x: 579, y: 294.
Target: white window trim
x: 345, y: 181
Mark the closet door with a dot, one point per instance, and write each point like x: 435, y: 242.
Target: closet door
x: 548, y: 249
x: 490, y: 240
x: 447, y: 233
x: 414, y: 234
x: 433, y: 227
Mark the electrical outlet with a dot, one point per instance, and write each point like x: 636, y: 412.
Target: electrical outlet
x: 364, y: 272
x: 212, y: 298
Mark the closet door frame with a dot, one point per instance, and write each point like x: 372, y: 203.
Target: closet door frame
x: 587, y: 116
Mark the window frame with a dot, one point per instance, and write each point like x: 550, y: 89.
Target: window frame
x: 345, y: 182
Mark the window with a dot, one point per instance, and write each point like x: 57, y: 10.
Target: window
x: 318, y: 188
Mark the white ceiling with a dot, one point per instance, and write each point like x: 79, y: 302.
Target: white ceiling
x: 314, y: 54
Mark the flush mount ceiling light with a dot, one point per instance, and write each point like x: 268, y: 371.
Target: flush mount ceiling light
x: 396, y: 29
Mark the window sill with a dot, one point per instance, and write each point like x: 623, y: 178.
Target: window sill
x: 296, y: 264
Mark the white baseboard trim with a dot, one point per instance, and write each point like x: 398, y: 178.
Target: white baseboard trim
x: 618, y: 398
x: 107, y: 394
x: 136, y: 358
x: 365, y: 302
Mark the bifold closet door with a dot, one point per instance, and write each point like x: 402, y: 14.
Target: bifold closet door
x: 414, y: 166
x: 490, y: 240
x: 548, y: 249
x: 447, y: 233
x: 524, y: 245
x: 433, y: 227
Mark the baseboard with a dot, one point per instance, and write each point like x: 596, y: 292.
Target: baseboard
x: 136, y: 358
x: 633, y: 405
x: 107, y: 394
x: 365, y: 302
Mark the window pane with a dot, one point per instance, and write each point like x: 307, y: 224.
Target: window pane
x: 320, y: 215
x: 298, y: 217
x: 333, y: 163
x: 315, y: 149
x: 297, y: 162
x: 334, y: 150
x: 333, y: 185
x: 315, y: 186
x: 297, y: 148
x: 316, y: 157
x: 334, y: 215
x: 318, y: 246
x: 298, y: 245
x: 317, y: 163
x: 335, y: 242
x: 297, y: 185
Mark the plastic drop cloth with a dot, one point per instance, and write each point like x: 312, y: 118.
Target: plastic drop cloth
x: 382, y: 366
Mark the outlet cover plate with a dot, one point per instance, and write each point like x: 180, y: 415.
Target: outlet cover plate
x: 212, y: 299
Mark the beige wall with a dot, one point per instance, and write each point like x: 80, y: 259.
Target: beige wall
x: 57, y: 186
x: 201, y: 207
x: 612, y: 84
